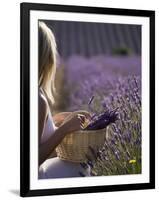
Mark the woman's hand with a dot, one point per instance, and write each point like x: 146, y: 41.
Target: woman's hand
x: 60, y: 117
x: 74, y: 122
x: 84, y: 112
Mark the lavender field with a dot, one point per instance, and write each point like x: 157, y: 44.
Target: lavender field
x: 115, y: 82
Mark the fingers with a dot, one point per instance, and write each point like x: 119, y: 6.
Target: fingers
x: 83, y: 112
x: 81, y: 126
x: 82, y: 118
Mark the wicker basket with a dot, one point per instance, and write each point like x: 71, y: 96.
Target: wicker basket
x: 75, y: 146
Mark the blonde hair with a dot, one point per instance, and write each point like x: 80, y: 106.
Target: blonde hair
x: 47, y: 61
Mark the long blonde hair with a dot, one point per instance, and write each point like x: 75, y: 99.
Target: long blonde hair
x: 47, y: 61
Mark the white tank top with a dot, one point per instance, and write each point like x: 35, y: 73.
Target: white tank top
x: 49, y: 127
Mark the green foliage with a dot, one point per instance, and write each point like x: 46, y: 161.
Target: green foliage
x: 122, y: 51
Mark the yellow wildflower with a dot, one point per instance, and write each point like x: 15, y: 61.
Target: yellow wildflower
x: 132, y: 161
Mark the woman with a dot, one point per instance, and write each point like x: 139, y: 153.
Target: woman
x: 53, y: 129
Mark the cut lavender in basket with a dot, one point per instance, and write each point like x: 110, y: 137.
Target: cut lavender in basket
x: 103, y: 120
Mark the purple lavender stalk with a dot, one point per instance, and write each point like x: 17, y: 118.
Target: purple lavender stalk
x: 91, y: 99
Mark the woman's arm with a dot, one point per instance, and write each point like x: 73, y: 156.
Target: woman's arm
x: 73, y: 123
x: 46, y: 148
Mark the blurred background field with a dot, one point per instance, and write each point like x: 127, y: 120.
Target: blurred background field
x: 103, y: 60
x: 88, y: 39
